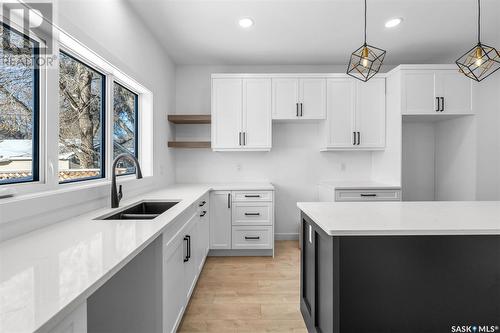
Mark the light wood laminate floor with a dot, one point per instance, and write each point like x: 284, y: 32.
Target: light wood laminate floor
x: 248, y: 294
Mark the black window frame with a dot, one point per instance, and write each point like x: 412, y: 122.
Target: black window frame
x: 136, y: 125
x: 102, y: 146
x: 35, y: 134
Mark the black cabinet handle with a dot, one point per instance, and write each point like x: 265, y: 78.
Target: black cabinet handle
x: 202, y: 204
x: 252, y: 214
x: 359, y: 138
x: 353, y: 138
x: 229, y: 200
x: 203, y: 213
x: 244, y: 138
x: 186, y: 238
x: 368, y: 195
x: 239, y: 138
x: 252, y: 195
x: 297, y: 109
x: 442, y: 104
x: 252, y: 237
x: 301, y: 109
x: 438, y: 106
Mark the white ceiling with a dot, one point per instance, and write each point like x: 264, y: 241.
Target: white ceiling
x: 315, y: 32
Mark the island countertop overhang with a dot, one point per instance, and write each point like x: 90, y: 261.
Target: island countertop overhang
x: 405, y: 218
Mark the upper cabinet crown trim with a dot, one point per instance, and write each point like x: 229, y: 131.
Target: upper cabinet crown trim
x: 284, y: 75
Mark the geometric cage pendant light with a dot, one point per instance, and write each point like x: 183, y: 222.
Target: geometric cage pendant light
x: 366, y: 61
x: 482, y: 60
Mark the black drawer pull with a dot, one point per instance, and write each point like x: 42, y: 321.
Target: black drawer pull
x: 202, y: 204
x: 203, y: 213
x: 252, y: 214
x: 252, y: 195
x: 368, y: 195
x: 252, y: 237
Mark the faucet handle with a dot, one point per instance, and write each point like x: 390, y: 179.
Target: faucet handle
x: 120, y: 193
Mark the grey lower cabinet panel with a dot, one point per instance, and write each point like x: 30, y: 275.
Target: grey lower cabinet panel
x: 131, y: 301
x: 396, y: 284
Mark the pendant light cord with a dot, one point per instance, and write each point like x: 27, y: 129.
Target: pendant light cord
x: 365, y: 22
x: 479, y: 21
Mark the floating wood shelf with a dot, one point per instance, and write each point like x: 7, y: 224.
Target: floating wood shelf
x: 190, y: 118
x: 189, y: 144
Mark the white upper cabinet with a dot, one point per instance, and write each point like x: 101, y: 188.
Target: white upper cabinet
x: 312, y: 98
x: 241, y: 114
x: 356, y: 114
x: 299, y: 98
x: 455, y: 90
x: 257, y: 114
x: 285, y: 98
x: 370, y: 113
x: 227, y: 95
x: 341, y: 101
x: 436, y: 92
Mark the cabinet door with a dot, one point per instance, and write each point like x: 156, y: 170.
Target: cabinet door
x: 226, y: 113
x: 312, y: 98
x: 204, y: 231
x: 456, y: 90
x: 193, y: 257
x: 419, y: 92
x: 174, y: 283
x: 370, y: 113
x: 340, y: 121
x: 257, y: 113
x: 220, y: 220
x: 285, y: 98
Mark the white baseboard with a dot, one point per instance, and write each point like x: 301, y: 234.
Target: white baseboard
x: 286, y: 236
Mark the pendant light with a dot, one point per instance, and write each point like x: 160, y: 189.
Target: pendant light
x: 482, y: 60
x: 366, y: 61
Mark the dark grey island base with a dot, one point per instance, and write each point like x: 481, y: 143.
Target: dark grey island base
x: 372, y: 284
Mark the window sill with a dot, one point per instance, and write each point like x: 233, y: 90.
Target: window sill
x: 68, y: 188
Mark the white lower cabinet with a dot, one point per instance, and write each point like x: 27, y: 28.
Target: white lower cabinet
x: 184, y: 253
x: 220, y: 220
x: 173, y: 280
x: 252, y: 237
x: 75, y: 322
x: 242, y: 220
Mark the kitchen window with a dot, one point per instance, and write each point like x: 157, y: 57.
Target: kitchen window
x: 19, y: 107
x: 81, y: 120
x: 125, y: 126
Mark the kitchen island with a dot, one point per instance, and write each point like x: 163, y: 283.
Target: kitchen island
x: 400, y: 266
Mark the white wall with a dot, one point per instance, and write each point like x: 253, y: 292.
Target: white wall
x: 418, y: 162
x: 488, y: 138
x: 112, y: 30
x: 294, y: 165
x: 455, y: 159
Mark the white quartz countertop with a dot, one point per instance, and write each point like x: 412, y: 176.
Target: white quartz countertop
x: 405, y: 218
x: 358, y: 184
x: 46, y: 272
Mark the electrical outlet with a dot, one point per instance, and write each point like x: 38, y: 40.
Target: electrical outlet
x: 238, y: 167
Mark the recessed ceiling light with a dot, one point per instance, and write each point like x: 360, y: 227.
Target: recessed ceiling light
x: 246, y: 22
x: 393, y: 22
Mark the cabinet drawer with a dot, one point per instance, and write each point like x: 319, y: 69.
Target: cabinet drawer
x: 367, y: 195
x: 252, y: 195
x: 252, y: 213
x: 252, y: 237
